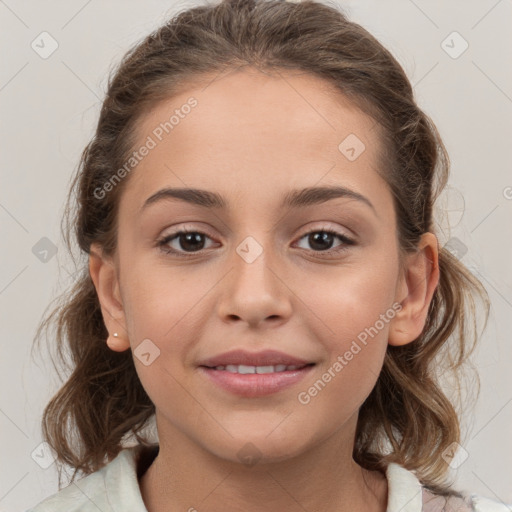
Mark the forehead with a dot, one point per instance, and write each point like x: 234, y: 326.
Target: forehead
x: 253, y: 135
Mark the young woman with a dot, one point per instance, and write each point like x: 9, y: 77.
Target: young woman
x: 291, y: 358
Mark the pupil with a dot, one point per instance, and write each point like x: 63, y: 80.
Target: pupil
x: 320, y: 236
x: 191, y: 237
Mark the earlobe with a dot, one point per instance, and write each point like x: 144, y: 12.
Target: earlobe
x: 420, y: 279
x: 117, y: 343
x: 103, y: 274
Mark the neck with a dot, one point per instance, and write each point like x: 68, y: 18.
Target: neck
x: 184, y: 476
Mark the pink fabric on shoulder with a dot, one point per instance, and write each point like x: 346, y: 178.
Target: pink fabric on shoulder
x: 434, y: 503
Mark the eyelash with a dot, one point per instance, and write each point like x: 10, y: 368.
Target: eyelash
x: 162, y: 243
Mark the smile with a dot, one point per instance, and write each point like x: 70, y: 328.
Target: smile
x: 255, y: 381
x: 241, y: 368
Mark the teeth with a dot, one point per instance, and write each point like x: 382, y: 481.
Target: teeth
x: 243, y: 369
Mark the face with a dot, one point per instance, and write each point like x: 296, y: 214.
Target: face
x: 257, y: 273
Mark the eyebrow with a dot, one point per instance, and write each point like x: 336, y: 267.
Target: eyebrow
x: 293, y: 199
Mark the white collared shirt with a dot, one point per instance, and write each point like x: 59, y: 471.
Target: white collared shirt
x: 115, y: 488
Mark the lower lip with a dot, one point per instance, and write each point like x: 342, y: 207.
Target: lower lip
x: 255, y: 384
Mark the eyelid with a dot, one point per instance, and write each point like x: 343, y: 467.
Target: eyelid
x: 325, y: 225
x: 186, y: 227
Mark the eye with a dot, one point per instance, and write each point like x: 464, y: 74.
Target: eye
x: 321, y: 240
x: 189, y: 240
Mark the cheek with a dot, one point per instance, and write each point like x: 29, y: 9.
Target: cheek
x: 162, y: 303
x: 350, y: 300
x: 165, y: 312
x: 161, y: 324
x: 352, y: 312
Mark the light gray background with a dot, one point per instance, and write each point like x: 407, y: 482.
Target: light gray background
x: 48, y: 111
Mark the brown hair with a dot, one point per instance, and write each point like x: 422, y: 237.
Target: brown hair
x: 407, y: 418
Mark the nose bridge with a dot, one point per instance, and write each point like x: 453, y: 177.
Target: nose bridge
x: 254, y: 288
x: 252, y: 265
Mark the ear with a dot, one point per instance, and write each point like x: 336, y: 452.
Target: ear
x: 105, y: 279
x: 415, y: 291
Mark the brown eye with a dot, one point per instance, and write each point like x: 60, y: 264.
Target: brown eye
x: 323, y: 239
x: 187, y: 241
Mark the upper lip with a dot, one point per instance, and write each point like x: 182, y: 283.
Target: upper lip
x: 263, y: 358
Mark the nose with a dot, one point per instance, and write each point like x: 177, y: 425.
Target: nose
x: 255, y: 291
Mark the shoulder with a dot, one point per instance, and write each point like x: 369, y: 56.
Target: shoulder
x: 113, y: 488
x: 460, y: 503
x: 406, y: 494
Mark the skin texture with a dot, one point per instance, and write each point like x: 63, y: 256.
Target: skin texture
x: 252, y: 138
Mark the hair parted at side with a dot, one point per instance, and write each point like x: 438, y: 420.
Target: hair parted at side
x: 407, y: 418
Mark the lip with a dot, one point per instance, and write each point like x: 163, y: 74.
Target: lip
x: 262, y: 358
x: 253, y: 384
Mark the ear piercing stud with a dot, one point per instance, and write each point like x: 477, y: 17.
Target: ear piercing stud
x: 115, y: 335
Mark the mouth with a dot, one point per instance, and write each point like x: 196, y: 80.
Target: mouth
x: 263, y: 359
x: 249, y: 369
x: 255, y: 381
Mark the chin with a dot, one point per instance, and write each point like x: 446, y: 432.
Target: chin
x: 255, y: 446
